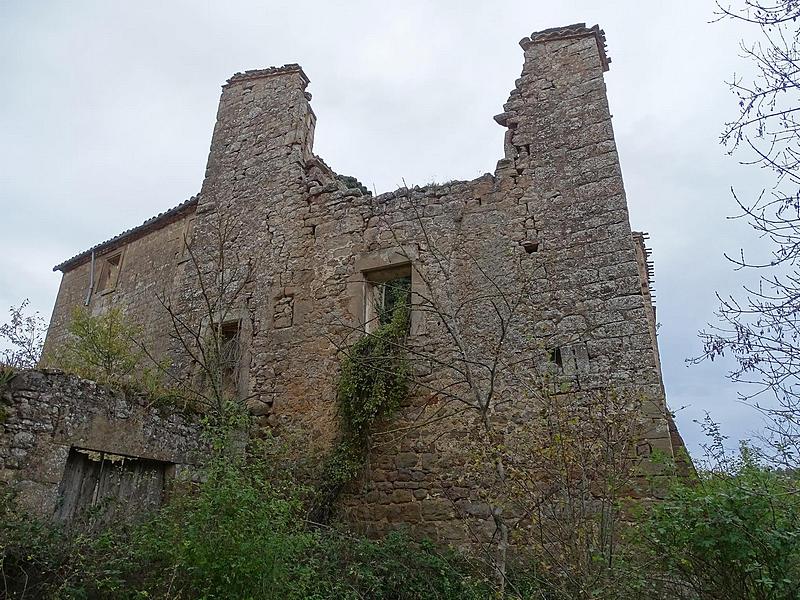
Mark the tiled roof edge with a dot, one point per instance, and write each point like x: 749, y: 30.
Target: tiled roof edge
x: 149, y: 225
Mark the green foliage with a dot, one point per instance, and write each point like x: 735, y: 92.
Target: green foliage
x: 733, y: 534
x: 352, y: 183
x: 105, y: 348
x: 393, y: 568
x: 6, y: 375
x: 42, y: 560
x: 374, y: 375
x: 373, y: 382
x: 239, y: 534
x: 101, y: 347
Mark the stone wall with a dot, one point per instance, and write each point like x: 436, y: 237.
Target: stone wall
x: 151, y: 258
x: 46, y: 413
x: 549, y: 227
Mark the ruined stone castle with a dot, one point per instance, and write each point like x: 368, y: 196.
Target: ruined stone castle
x: 534, y: 265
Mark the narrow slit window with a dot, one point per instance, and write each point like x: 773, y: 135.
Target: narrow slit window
x: 229, y: 356
x: 555, y: 357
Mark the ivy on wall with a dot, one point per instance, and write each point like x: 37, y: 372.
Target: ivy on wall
x: 373, y: 382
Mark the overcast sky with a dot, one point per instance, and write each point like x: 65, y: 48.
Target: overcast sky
x: 107, y: 109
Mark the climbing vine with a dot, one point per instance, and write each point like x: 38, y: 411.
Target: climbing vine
x: 373, y: 382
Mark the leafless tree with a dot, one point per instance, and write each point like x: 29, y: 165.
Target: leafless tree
x: 572, y: 469
x: 23, y: 337
x: 205, y: 322
x: 760, y: 328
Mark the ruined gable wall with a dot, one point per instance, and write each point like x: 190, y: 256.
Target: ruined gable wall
x: 559, y: 186
x: 149, y: 266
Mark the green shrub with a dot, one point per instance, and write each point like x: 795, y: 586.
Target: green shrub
x: 105, y: 348
x: 101, y: 347
x: 236, y: 536
x: 733, y: 534
x: 41, y: 560
x: 393, y: 568
x: 6, y: 375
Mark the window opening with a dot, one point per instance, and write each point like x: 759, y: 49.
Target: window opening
x: 530, y: 247
x: 109, y: 273
x: 555, y: 357
x: 229, y: 350
x: 387, y: 291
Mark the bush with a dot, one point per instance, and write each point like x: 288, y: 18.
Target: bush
x: 394, y: 568
x: 240, y: 534
x: 733, y: 534
x: 42, y: 560
x: 105, y: 348
x: 101, y: 348
x: 243, y: 535
x: 236, y: 536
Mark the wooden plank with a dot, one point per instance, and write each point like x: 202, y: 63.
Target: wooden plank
x: 94, y: 493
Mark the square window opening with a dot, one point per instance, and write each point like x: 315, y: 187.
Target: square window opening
x: 109, y: 273
x: 387, y: 291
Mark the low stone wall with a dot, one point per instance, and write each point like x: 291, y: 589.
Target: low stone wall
x: 46, y: 413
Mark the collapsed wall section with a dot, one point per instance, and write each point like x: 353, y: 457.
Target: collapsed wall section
x: 552, y: 221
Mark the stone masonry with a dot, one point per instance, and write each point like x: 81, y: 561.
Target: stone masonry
x: 549, y: 224
x: 46, y: 414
